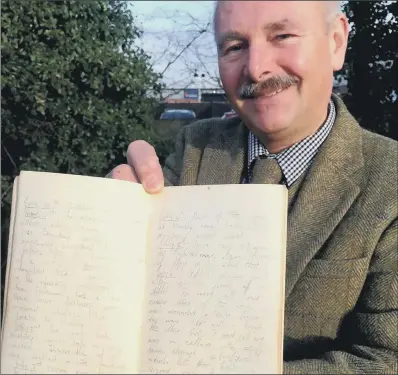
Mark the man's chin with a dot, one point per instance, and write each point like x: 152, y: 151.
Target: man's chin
x: 268, y: 123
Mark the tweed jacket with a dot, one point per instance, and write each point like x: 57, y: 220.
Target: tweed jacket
x: 341, y: 300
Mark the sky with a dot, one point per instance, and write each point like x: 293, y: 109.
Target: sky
x: 169, y: 26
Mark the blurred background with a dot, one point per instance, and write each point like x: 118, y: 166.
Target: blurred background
x: 80, y: 80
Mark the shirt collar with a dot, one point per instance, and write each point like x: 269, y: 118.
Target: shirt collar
x: 297, y: 158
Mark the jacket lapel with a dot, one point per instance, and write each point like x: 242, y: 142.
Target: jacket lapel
x: 331, y: 185
x: 223, y: 158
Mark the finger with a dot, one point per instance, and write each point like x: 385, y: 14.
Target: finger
x: 142, y: 157
x: 123, y: 172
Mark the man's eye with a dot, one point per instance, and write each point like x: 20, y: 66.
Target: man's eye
x: 283, y: 36
x: 234, y: 48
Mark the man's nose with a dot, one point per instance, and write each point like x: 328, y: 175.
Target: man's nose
x: 260, y: 62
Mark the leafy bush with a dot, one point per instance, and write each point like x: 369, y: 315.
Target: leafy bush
x: 371, y: 65
x: 74, y: 89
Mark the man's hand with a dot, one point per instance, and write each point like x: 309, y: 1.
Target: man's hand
x: 143, y: 167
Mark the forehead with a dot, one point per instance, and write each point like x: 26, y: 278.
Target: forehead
x: 246, y: 15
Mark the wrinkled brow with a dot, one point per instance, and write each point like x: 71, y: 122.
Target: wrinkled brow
x: 229, y: 36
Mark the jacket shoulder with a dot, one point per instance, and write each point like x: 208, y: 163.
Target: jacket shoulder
x: 182, y: 166
x: 380, y: 152
x: 381, y: 166
x: 202, y: 132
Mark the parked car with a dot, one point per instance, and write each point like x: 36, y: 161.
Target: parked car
x: 229, y: 114
x: 178, y: 114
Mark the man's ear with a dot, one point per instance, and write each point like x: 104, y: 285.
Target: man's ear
x: 339, y: 40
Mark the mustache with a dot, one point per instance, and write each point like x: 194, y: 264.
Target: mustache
x: 252, y: 90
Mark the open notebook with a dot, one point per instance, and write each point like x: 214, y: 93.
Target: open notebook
x: 105, y: 278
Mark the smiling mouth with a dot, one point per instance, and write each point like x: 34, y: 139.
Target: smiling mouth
x: 273, y: 93
x: 268, y: 93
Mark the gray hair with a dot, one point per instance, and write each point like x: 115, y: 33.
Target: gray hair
x: 332, y: 8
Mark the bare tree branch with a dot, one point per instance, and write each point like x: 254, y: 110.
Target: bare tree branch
x: 182, y: 51
x: 182, y: 48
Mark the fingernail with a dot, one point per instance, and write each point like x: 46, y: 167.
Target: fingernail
x: 151, y: 183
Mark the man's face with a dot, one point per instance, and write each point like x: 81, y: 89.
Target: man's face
x: 261, y: 41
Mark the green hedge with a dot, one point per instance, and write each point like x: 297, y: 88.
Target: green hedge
x: 74, y: 87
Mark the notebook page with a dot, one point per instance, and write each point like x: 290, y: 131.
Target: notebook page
x: 216, y: 281
x: 75, y: 289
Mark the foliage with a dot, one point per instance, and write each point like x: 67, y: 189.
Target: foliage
x: 371, y: 68
x: 74, y: 89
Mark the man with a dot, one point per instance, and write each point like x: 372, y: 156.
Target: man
x: 276, y: 62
